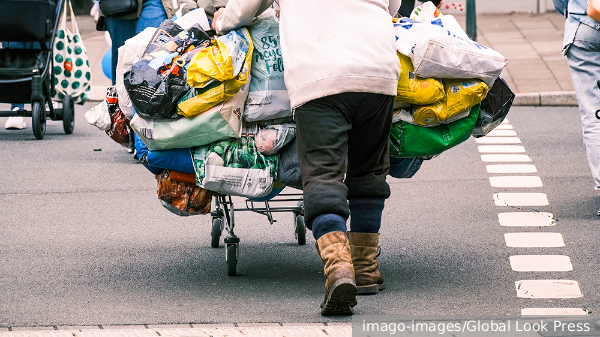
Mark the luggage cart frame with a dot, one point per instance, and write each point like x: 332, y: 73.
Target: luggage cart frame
x: 223, y: 219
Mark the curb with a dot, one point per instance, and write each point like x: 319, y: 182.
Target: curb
x: 546, y: 98
x: 543, y: 98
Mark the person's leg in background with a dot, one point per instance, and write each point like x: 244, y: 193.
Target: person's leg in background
x: 153, y: 14
x: 16, y: 122
x: 368, y: 166
x: 322, y: 150
x: 120, y: 31
x: 584, y: 63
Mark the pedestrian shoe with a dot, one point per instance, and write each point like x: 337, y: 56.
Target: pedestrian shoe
x: 15, y: 123
x: 340, y: 287
x: 365, y: 249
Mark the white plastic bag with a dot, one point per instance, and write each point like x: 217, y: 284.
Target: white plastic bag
x: 270, y: 139
x: 408, y: 32
x: 450, y: 24
x: 425, y: 12
x: 235, y: 167
x: 99, y: 117
x: 268, y: 97
x: 195, y: 16
x: 428, y: 12
x: 448, y: 56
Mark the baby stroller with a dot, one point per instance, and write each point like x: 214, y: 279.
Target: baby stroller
x: 26, y: 74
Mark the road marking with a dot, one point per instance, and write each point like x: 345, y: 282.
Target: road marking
x: 548, y: 289
x: 529, y: 219
x: 498, y: 140
x: 504, y: 133
x: 505, y: 157
x: 534, y: 240
x: 521, y: 199
x: 552, y: 312
x: 540, y: 263
x: 516, y: 181
x: 511, y: 168
x: 501, y: 148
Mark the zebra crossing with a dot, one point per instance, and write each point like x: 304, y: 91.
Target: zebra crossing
x: 512, y: 169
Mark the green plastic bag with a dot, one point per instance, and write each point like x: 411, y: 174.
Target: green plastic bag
x: 235, y: 167
x: 409, y: 140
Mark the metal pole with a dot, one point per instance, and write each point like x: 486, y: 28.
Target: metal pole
x: 471, y: 20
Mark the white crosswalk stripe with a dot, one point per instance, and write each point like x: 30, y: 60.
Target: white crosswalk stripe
x: 501, y: 149
x: 511, y: 168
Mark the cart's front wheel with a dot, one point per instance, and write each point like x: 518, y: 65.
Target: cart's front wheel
x: 215, y: 233
x: 231, y: 258
x: 300, y: 230
x: 38, y: 120
x: 68, y: 115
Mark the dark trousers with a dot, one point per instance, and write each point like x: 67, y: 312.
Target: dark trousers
x: 120, y: 31
x: 348, y: 126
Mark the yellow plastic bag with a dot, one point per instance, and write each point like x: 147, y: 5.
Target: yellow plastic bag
x: 217, y: 72
x: 199, y: 100
x: 415, y: 90
x: 219, y: 61
x: 460, y: 96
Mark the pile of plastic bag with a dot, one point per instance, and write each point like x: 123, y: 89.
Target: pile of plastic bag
x: 206, y: 114
x: 449, y: 88
x: 210, y: 114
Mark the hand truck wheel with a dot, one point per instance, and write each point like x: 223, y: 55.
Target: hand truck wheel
x: 300, y: 230
x: 231, y: 257
x: 215, y: 233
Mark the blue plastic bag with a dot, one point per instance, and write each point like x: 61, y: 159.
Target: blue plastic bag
x: 179, y: 160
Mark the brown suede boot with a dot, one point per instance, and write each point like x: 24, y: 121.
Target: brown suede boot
x: 340, y: 288
x: 365, y: 250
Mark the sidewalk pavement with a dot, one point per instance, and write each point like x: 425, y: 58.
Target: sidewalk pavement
x: 537, y: 71
x: 188, y: 330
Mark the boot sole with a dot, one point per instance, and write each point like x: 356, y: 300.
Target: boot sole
x: 341, y: 299
x: 370, y: 289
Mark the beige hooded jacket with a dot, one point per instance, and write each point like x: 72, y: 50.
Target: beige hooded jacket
x: 328, y: 47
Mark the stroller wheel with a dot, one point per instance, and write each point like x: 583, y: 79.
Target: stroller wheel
x: 38, y: 120
x: 68, y: 115
x: 300, y: 230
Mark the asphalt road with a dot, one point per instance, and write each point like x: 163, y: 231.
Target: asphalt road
x: 84, y: 240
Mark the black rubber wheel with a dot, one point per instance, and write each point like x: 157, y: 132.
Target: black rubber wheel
x: 215, y: 232
x: 38, y: 120
x: 300, y: 230
x: 68, y: 115
x: 231, y: 259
